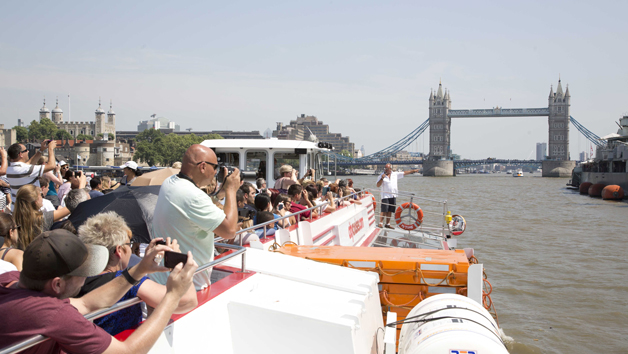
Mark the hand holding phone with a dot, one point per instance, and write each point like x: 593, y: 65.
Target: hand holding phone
x: 171, y: 259
x: 280, y: 206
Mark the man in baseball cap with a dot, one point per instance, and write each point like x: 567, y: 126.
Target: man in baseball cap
x: 55, y: 265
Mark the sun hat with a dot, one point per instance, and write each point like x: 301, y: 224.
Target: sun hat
x: 285, y: 169
x: 130, y: 164
x: 59, y: 252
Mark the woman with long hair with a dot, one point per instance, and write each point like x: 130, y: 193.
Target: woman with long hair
x: 284, y: 209
x: 28, y: 215
x: 9, y: 252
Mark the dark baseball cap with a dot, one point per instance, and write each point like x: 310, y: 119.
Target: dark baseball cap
x: 59, y: 252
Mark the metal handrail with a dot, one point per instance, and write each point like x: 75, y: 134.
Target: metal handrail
x: 30, y: 342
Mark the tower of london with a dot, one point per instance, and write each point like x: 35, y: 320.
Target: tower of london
x: 102, y: 125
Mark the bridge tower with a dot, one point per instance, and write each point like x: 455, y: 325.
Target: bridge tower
x: 438, y: 163
x: 558, y: 163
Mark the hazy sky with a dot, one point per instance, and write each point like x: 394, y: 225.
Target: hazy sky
x: 363, y: 67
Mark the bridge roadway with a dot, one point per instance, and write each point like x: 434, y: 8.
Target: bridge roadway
x: 457, y: 163
x: 498, y: 112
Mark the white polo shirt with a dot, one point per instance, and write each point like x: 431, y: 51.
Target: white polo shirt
x: 20, y: 174
x: 389, y: 185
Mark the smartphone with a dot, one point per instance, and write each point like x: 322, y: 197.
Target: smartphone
x: 171, y: 259
x: 162, y: 242
x: 78, y: 173
x: 325, y: 190
x: 280, y: 206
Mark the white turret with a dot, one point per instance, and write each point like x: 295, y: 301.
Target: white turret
x: 99, y: 109
x: 44, y: 112
x: 57, y: 114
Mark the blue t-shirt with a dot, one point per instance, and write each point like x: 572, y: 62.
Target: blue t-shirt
x: 52, y: 188
x: 124, y: 319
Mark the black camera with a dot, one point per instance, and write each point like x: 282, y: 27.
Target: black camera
x: 245, y: 214
x: 222, y: 176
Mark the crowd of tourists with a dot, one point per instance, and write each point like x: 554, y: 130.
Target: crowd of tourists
x: 53, y: 273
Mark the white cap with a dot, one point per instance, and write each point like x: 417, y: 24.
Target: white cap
x: 130, y: 164
x: 62, y: 163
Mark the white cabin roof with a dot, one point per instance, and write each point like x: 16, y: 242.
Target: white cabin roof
x: 260, y: 144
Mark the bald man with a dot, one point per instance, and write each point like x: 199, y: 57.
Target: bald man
x: 185, y: 213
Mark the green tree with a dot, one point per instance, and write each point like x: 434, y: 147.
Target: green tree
x: 99, y: 136
x: 345, y: 153
x: 111, y: 136
x: 84, y: 137
x: 63, y: 135
x: 211, y: 136
x: 44, y: 129
x: 149, y: 147
x: 21, y: 134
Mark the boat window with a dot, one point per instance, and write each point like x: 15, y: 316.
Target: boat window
x: 256, y: 161
x: 229, y: 158
x: 285, y: 158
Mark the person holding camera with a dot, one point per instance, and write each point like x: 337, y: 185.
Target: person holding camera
x: 22, y: 170
x: 186, y: 213
x: 298, y: 194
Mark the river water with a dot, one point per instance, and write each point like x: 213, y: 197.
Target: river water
x: 556, y: 259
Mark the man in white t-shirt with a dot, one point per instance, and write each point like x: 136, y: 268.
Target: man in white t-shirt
x: 388, y: 182
x: 22, y: 171
x: 185, y: 213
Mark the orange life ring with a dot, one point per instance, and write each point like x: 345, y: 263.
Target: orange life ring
x: 373, y: 197
x: 419, y: 216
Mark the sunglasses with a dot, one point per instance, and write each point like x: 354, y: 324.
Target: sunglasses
x: 23, y: 151
x: 16, y: 227
x: 215, y: 165
x: 131, y: 244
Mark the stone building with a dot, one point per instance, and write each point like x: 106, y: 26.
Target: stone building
x: 440, y: 124
x: 559, y: 123
x: 304, y: 126
x: 102, y: 124
x: 7, y: 136
x: 93, y: 152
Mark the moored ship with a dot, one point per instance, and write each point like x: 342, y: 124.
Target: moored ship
x: 608, y: 166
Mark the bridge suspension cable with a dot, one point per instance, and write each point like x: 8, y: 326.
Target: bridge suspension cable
x: 392, y: 149
x: 586, y: 132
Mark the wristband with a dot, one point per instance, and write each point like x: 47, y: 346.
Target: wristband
x: 129, y: 278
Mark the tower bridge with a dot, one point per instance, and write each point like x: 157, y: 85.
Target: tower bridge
x: 439, y: 161
x: 440, y: 115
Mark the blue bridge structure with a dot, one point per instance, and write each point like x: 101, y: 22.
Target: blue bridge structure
x: 439, y: 161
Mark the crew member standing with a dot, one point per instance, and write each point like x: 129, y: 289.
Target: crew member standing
x: 388, y: 182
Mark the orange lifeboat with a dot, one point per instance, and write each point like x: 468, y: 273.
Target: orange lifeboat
x: 612, y: 192
x: 584, y: 187
x: 596, y: 190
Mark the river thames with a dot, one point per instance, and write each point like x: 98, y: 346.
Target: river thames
x: 555, y: 258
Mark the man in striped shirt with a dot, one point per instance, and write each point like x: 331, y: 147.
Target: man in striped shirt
x: 21, y: 170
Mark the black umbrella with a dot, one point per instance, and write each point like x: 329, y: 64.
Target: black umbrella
x: 135, y: 204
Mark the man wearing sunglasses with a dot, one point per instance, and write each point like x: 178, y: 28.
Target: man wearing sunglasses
x: 23, y: 171
x: 186, y: 213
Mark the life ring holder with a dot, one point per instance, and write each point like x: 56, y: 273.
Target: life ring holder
x: 409, y: 206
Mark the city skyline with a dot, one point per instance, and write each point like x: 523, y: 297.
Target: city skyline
x: 358, y: 66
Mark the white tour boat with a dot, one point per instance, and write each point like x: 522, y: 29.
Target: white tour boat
x: 321, y: 286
